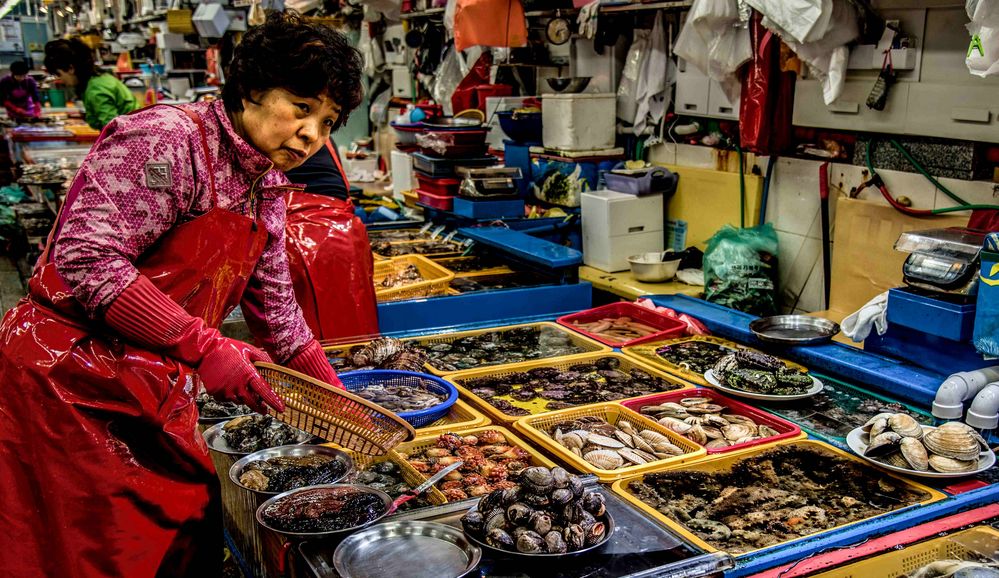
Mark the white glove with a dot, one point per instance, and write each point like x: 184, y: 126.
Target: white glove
x: 587, y: 19
x: 874, y: 314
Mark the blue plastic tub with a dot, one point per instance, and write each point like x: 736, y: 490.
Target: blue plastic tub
x: 911, y: 309
x: 488, y: 209
x: 931, y: 352
x: 355, y: 381
x: 524, y: 127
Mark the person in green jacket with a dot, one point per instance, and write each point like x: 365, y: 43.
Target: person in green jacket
x: 104, y: 96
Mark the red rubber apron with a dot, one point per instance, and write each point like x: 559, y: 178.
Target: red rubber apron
x: 331, y: 265
x: 103, y: 470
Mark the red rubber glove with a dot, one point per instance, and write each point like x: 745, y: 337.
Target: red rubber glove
x: 145, y: 315
x: 311, y: 360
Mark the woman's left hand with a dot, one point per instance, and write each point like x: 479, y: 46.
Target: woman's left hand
x: 311, y: 360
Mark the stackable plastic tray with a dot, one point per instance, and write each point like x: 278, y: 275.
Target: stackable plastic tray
x: 537, y: 428
x: 647, y: 352
x: 786, y: 430
x: 433, y: 166
x: 435, y: 278
x: 725, y: 461
x: 460, y: 416
x: 980, y: 542
x: 440, y: 186
x: 537, y: 406
x: 442, y: 202
x: 668, y: 328
x: 584, y: 343
x: 428, y: 441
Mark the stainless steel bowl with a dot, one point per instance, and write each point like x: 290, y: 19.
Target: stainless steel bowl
x: 217, y: 443
x: 606, y: 519
x: 237, y: 469
x: 412, y: 549
x: 794, y: 329
x: 569, y: 84
x: 650, y: 267
x: 261, y: 519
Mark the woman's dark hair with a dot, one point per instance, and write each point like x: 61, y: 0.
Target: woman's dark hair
x: 304, y: 58
x: 19, y: 68
x: 61, y: 54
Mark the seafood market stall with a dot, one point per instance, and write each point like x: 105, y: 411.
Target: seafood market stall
x: 711, y: 455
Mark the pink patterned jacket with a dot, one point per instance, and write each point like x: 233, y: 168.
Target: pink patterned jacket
x: 117, y: 217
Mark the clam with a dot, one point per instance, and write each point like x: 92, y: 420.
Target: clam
x: 473, y: 522
x: 518, y: 513
x: 705, y: 408
x: 717, y: 444
x: 720, y: 422
x: 604, y: 459
x: 562, y: 496
x: 914, y: 453
x: 949, y: 465
x: 498, y: 538
x: 733, y: 418
x: 883, y: 444
x: 866, y: 428
x: 736, y: 431
x: 692, y: 401
x: 555, y: 543
x: 952, y: 442
x: 766, y: 431
x: 494, y: 519
x: 712, y: 433
x: 540, y: 522
x: 697, y: 435
x: 679, y: 426
x: 530, y: 542
x: 904, y: 425
x: 594, y: 503
x: 694, y: 420
x: 538, y: 479
x: 957, y: 425
x: 895, y: 459
x: 560, y: 477
x: 574, y: 536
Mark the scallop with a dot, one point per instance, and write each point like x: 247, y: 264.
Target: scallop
x: 952, y: 442
x: 604, y: 459
x: 904, y: 425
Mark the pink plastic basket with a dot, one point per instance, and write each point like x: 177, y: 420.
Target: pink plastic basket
x: 668, y: 327
x: 438, y: 186
x: 442, y: 202
x: 786, y: 430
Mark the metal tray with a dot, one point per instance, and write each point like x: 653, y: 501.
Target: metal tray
x: 640, y: 547
x: 411, y: 549
x: 794, y: 329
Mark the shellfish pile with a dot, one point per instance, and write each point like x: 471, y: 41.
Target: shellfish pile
x: 758, y: 372
x: 400, y: 398
x: 382, y: 353
x: 547, y: 513
x: 499, y: 347
x: 957, y: 569
x: 772, y: 497
x: 251, y: 433
x: 420, y: 247
x: 284, y: 473
x: 387, y: 477
x: 611, y: 447
x: 550, y: 388
x: 898, y: 440
x: 693, y: 356
x: 209, y: 407
x: 405, y: 276
x: 705, y: 422
x: 324, y: 509
x: 489, y: 463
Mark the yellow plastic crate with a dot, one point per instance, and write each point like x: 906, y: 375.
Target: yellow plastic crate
x: 435, y: 278
x: 424, y: 442
x: 179, y: 21
x: 537, y: 406
x: 720, y: 462
x: 460, y: 416
x: 585, y: 343
x: 540, y: 427
x: 980, y: 542
x: 647, y: 353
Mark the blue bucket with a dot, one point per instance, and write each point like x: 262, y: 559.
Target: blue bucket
x: 355, y: 381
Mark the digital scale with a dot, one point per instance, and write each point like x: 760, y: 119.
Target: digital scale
x: 942, y: 260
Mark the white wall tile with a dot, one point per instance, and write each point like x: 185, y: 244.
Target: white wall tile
x: 813, y: 293
x: 696, y: 156
x: 793, y: 203
x: 975, y: 192
x: 664, y: 154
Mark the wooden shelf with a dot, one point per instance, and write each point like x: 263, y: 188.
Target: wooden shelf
x: 423, y: 13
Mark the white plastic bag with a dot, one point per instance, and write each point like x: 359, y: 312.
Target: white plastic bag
x: 983, y: 51
x: 984, y: 12
x: 627, y: 89
x: 716, y: 41
x: 656, y: 74
x: 798, y: 20
x: 447, y: 78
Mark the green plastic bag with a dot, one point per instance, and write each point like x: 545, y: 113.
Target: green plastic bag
x: 740, y: 269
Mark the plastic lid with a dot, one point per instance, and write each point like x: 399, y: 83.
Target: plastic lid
x: 955, y: 242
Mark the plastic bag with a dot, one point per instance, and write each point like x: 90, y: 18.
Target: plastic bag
x: 449, y: 75
x: 767, y: 102
x: 489, y: 23
x: 656, y: 75
x: 983, y: 12
x: 986, y: 336
x: 627, y: 90
x: 714, y: 38
x: 740, y: 269
x: 983, y: 50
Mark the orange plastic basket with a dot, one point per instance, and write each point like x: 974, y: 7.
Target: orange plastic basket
x: 540, y: 429
x: 435, y: 278
x: 333, y: 414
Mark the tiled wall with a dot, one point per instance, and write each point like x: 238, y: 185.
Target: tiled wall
x: 793, y: 208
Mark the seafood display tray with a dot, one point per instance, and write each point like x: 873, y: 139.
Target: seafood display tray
x: 786, y: 430
x: 453, y: 249
x: 537, y: 428
x: 460, y: 416
x: 409, y: 475
x: 856, y: 440
x: 668, y: 328
x: 640, y: 546
x: 536, y: 406
x: 980, y: 542
x: 584, y: 343
x: 840, y: 407
x: 435, y: 278
x: 723, y: 462
x: 647, y: 353
x: 451, y: 263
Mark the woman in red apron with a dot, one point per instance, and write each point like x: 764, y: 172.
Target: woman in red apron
x: 175, y: 217
x: 329, y: 253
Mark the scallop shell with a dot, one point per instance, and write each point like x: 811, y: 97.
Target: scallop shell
x: 952, y: 466
x: 736, y: 431
x: 697, y: 435
x: 952, y: 443
x: 668, y: 448
x: 883, y: 444
x: 695, y: 420
x: 692, y: 401
x: 604, y: 459
x: 904, y: 425
x: 641, y: 444
x: 626, y: 427
x: 604, y: 441
x: 624, y: 438
x: 652, y: 436
x: 632, y: 456
x: 915, y: 453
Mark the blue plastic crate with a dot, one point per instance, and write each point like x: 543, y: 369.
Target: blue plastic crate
x: 488, y: 209
x: 953, y: 321
x: 355, y: 381
x: 928, y: 351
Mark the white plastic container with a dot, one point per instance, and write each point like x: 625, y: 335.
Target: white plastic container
x: 578, y: 122
x: 403, y: 179
x: 617, y: 226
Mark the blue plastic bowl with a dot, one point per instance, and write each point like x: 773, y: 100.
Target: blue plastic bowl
x: 355, y: 381
x: 525, y: 127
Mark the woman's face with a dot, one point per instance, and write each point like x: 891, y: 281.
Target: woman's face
x: 285, y: 127
x: 68, y: 77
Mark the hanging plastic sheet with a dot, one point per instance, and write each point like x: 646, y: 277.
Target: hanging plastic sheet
x: 627, y: 89
x: 715, y: 39
x: 489, y: 23
x: 657, y: 73
x: 983, y: 50
x: 767, y: 102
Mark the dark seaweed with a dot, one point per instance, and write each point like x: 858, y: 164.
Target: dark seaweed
x: 324, y: 510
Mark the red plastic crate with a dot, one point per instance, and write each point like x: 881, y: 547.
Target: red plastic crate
x: 438, y: 186
x: 442, y: 202
x: 668, y: 327
x: 785, y: 429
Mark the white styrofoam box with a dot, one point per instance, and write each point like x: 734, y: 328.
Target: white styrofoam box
x: 494, y: 104
x: 579, y: 122
x: 402, y: 173
x: 237, y: 20
x: 170, y: 40
x: 616, y: 226
x: 402, y: 83
x: 210, y: 20
x: 368, y: 165
x: 179, y: 86
x: 394, y: 41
